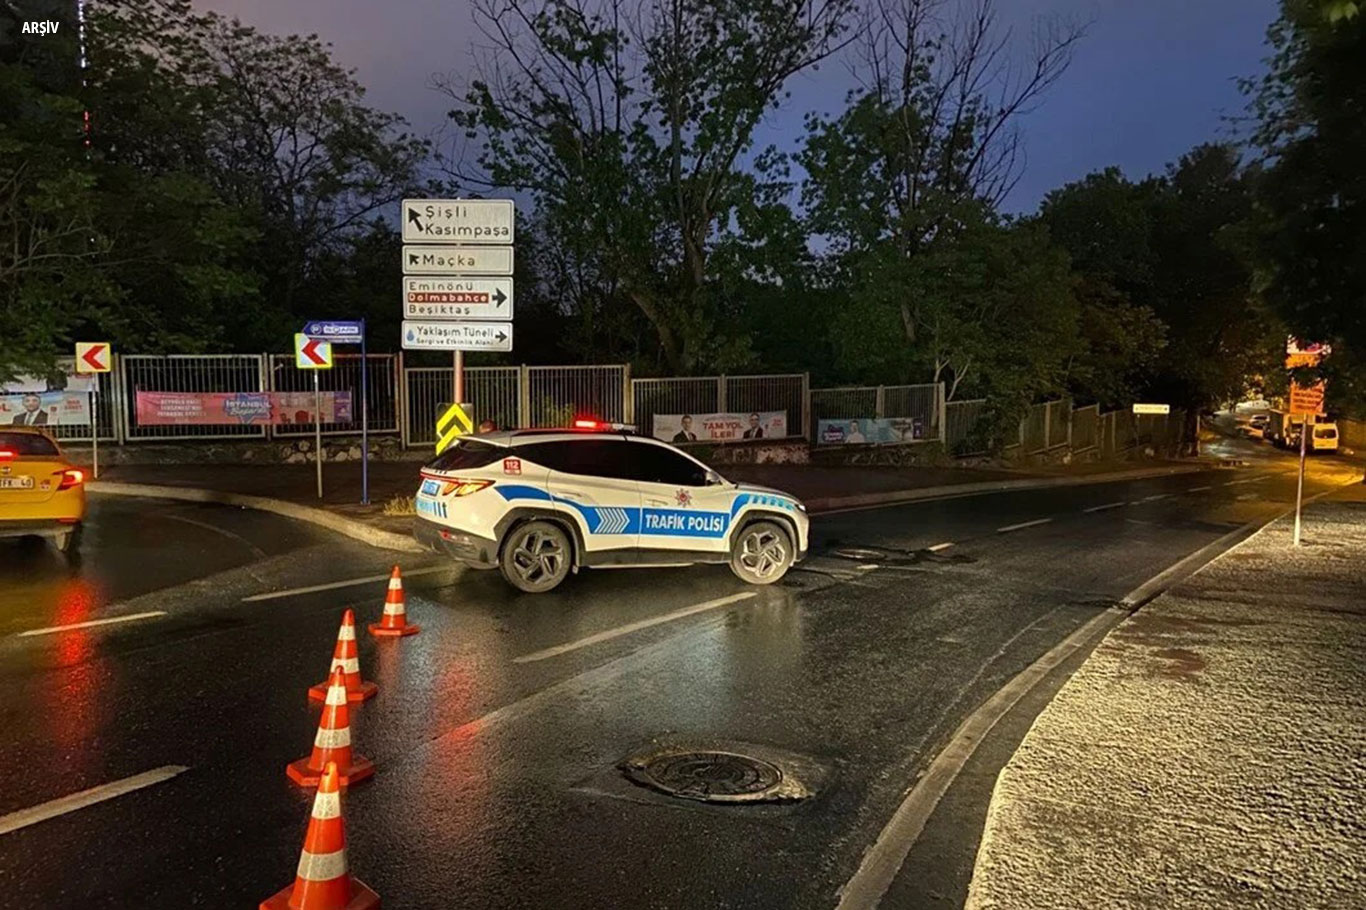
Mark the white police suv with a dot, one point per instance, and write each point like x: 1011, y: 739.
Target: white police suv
x: 539, y: 504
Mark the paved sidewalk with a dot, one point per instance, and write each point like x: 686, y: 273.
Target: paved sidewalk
x: 1211, y: 752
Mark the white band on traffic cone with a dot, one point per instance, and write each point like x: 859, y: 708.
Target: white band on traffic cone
x: 322, y: 867
x: 393, y: 609
x: 332, y: 739
x: 347, y: 664
x: 346, y: 633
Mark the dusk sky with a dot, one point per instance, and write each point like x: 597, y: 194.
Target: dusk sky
x: 1150, y: 80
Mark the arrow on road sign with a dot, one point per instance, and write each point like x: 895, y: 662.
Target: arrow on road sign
x: 415, y: 218
x: 92, y: 357
x: 499, y: 298
x: 455, y: 421
x: 312, y: 353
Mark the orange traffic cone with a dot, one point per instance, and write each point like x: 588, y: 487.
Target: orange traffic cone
x: 395, y: 621
x: 322, y: 882
x: 346, y: 657
x: 332, y: 745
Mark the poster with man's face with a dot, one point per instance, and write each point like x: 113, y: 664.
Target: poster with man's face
x: 720, y: 427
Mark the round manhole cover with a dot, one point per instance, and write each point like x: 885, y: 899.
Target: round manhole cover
x: 860, y: 554
x: 713, y: 776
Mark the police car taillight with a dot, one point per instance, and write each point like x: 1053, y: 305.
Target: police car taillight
x: 456, y: 486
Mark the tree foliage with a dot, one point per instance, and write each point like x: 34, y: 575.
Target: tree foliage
x: 631, y: 126
x: 1310, y: 225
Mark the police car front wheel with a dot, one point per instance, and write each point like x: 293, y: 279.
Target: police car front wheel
x: 762, y: 553
x: 536, y: 557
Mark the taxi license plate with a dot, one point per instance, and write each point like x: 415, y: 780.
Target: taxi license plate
x: 16, y: 483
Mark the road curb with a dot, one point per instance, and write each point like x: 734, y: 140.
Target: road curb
x: 892, y: 497
x: 357, y: 530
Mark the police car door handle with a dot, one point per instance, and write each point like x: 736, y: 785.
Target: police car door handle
x: 570, y: 494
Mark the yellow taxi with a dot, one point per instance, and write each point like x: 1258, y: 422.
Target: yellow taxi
x: 41, y: 493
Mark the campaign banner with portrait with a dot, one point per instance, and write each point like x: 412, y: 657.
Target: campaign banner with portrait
x: 720, y: 427
x: 870, y: 431
x: 239, y: 408
x: 44, y: 409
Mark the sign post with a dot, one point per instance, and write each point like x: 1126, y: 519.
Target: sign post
x: 314, y: 354
x: 1307, y: 401
x: 337, y: 332
x: 457, y: 238
x: 94, y: 357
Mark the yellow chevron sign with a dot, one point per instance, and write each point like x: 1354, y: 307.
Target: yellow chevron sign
x: 453, y: 423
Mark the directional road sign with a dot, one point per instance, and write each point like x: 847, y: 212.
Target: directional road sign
x: 92, y: 357
x: 457, y: 298
x: 1152, y: 408
x: 455, y: 421
x: 312, y: 354
x: 457, y: 260
x: 457, y: 336
x: 336, y: 331
x: 483, y: 221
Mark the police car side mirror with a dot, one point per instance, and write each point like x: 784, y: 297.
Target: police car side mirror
x: 713, y: 479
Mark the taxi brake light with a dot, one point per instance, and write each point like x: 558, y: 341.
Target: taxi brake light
x: 70, y: 478
x: 6, y: 455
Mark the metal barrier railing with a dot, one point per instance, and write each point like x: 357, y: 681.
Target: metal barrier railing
x: 961, y: 418
x: 674, y: 395
x: 785, y: 392
x: 188, y: 373
x: 1085, y: 427
x: 493, y: 393
x: 553, y: 396
x: 344, y: 376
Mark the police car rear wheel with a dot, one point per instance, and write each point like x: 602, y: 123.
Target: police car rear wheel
x: 536, y: 557
x: 762, y: 553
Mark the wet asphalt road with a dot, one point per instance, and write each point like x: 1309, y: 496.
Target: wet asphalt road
x: 497, y: 783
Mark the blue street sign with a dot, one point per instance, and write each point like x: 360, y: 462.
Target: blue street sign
x: 337, y: 332
x: 346, y: 331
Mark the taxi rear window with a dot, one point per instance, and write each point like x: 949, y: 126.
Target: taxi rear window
x: 466, y: 454
x: 26, y: 444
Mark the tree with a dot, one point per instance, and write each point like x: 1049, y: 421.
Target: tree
x: 1105, y: 223
x: 1169, y: 257
x: 630, y: 126
x: 266, y: 138
x: 1310, y: 225
x: 901, y: 191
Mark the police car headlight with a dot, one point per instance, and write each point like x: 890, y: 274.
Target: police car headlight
x: 801, y: 506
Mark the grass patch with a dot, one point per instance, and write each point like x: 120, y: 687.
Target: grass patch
x: 401, y: 505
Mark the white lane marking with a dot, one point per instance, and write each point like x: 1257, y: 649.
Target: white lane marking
x: 255, y: 551
x: 345, y: 584
x: 1242, y: 496
x: 940, y: 546
x: 92, y: 622
x: 42, y: 812
x: 1024, y: 524
x: 627, y: 629
x: 1198, y: 489
x: 882, y: 862
x: 867, y: 566
x: 1155, y: 498
x: 1108, y: 505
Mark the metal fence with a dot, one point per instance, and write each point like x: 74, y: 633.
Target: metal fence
x: 382, y: 391
x: 408, y: 401
x: 876, y: 402
x: 1086, y: 428
x: 188, y: 373
x: 553, y: 396
x: 493, y: 392
x: 961, y: 419
x: 108, y: 405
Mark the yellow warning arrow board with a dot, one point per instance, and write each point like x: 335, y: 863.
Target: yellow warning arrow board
x: 453, y: 423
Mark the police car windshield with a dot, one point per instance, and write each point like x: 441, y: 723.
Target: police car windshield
x: 465, y: 454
